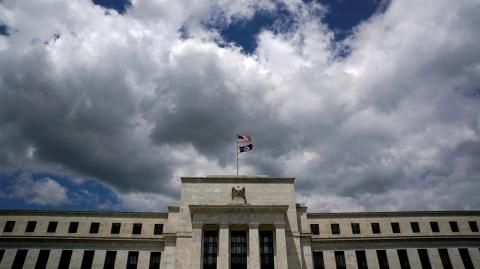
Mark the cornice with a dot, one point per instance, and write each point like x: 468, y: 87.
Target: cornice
x: 238, y: 208
x: 237, y: 179
x: 391, y: 214
x: 61, y: 213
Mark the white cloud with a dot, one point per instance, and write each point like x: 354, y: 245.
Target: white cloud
x: 44, y: 192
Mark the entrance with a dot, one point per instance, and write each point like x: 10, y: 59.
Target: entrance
x: 238, y: 249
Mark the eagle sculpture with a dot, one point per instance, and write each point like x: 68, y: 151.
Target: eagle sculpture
x: 238, y: 192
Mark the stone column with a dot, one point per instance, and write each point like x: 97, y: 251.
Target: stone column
x: 223, y: 247
x: 253, y: 247
x: 196, y: 246
x: 280, y: 247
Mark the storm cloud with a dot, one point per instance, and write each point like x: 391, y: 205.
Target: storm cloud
x: 135, y: 100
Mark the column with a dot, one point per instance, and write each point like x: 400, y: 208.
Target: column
x: 372, y: 259
x: 329, y: 259
x: 54, y: 258
x: 99, y: 259
x: 350, y: 259
x: 168, y: 254
x: 475, y: 255
x: 121, y: 259
x: 253, y: 247
x: 196, y: 246
x: 8, y: 257
x: 280, y: 246
x: 223, y: 260
x: 414, y: 259
x: 393, y: 260
x: 434, y: 256
x: 31, y: 259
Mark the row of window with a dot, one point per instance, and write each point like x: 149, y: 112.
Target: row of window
x: 73, y: 227
x: 87, y: 259
x: 335, y: 227
x: 402, y: 257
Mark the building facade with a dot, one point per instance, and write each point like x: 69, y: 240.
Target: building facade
x: 239, y: 222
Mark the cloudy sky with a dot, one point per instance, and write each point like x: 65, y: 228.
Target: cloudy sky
x: 372, y: 105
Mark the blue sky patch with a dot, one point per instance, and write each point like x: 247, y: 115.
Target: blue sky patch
x: 4, y: 30
x: 119, y: 5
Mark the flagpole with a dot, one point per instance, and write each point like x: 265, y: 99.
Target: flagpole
x: 236, y: 150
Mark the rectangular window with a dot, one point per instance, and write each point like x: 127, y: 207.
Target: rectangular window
x: 395, y: 227
x: 445, y: 258
x: 361, y: 259
x: 473, y: 226
x: 467, y: 261
x: 65, y: 257
x: 238, y: 250
x: 110, y: 260
x: 155, y: 260
x: 424, y: 260
x: 376, y: 228
x: 340, y: 260
x: 132, y: 260
x: 158, y: 229
x: 137, y: 228
x: 31, y: 226
x: 382, y: 259
x: 9, y: 225
x: 52, y: 227
x: 355, y: 228
x: 87, y: 260
x: 116, y: 228
x: 403, y: 259
x: 318, y: 260
x: 415, y: 227
x: 266, y: 250
x: 19, y: 259
x: 454, y: 226
x: 73, y: 228
x: 434, y: 226
x: 210, y: 249
x: 42, y: 259
x: 94, y: 227
x: 335, y: 228
x: 315, y: 228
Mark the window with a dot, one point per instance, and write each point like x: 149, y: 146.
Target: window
x: 87, y: 260
x: 266, y: 250
x: 403, y: 259
x: 376, y: 228
x: 158, y: 229
x: 335, y: 228
x: 315, y: 228
x: 116, y: 228
x: 210, y: 249
x: 467, y: 261
x: 355, y: 228
x: 2, y: 251
x: 424, y: 260
x: 415, y: 227
x: 473, y: 226
x: 19, y: 259
x: 361, y: 259
x: 395, y: 227
x: 73, y: 228
x: 132, y: 260
x: 65, y: 259
x: 434, y: 226
x: 31, y: 226
x: 110, y: 260
x: 238, y: 250
x: 443, y: 253
x: 454, y: 226
x: 9, y: 225
x: 52, y: 227
x: 155, y: 260
x: 137, y: 228
x: 42, y: 259
x: 94, y: 227
x: 382, y: 259
x: 318, y: 260
x: 340, y: 260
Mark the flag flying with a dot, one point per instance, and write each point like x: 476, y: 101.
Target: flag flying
x: 244, y: 143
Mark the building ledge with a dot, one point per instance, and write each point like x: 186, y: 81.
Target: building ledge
x: 238, y: 208
x: 237, y: 179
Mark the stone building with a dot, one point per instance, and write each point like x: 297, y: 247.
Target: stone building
x: 231, y: 222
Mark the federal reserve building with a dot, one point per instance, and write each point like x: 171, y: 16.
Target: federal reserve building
x: 239, y: 222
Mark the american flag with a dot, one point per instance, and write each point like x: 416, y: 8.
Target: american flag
x: 244, y: 139
x: 244, y: 143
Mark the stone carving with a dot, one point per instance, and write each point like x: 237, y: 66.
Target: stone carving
x: 238, y: 193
